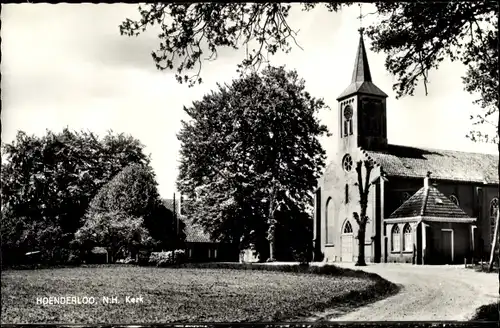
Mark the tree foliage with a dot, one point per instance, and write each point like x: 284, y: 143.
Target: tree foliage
x: 482, y: 79
x: 250, y: 157
x: 418, y: 36
x: 48, y: 182
x: 118, y: 232
x: 190, y: 30
x: 133, y: 193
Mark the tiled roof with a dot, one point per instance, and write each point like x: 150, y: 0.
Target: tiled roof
x: 429, y: 202
x: 194, y: 232
x: 362, y: 87
x: 403, y: 161
x: 169, y: 203
x: 361, y: 72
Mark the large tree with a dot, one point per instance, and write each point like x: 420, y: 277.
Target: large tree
x: 249, y: 154
x: 48, y: 182
x: 118, y: 232
x: 133, y: 192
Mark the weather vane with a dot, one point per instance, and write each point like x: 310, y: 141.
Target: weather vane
x: 360, y: 17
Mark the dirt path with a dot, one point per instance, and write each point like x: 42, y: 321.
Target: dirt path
x: 428, y: 293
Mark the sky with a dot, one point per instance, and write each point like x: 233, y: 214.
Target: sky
x: 67, y: 65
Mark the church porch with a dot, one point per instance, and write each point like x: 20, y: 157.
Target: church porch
x: 429, y: 240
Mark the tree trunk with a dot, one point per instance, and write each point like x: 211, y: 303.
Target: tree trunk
x: 271, y: 236
x: 361, y: 243
x: 495, y: 234
x: 494, y: 242
x: 362, y: 219
x: 271, y: 251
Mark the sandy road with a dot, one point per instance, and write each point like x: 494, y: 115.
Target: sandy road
x: 428, y: 293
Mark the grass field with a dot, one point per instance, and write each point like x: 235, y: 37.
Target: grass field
x: 488, y: 312
x: 173, y: 294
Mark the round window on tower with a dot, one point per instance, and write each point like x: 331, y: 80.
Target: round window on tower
x: 348, y: 112
x: 347, y: 162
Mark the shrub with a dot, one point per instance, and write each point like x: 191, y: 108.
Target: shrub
x: 488, y: 312
x: 179, y: 256
x: 74, y: 258
x: 163, y: 259
x: 129, y: 260
x: 301, y: 256
x: 143, y: 257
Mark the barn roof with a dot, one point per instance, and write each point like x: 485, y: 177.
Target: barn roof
x: 403, y: 161
x: 428, y: 202
x: 195, y: 233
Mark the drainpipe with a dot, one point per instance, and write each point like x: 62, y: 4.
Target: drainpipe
x: 424, y: 241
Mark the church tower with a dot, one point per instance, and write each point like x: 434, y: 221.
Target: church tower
x: 362, y: 109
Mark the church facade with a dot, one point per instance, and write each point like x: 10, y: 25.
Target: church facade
x: 425, y: 206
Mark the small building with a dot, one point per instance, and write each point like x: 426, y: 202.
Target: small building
x: 429, y: 228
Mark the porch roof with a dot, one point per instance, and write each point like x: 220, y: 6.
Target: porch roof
x: 429, y: 204
x: 430, y: 219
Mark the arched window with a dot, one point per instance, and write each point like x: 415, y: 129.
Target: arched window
x: 454, y: 200
x: 395, y: 238
x: 493, y: 216
x: 347, y: 118
x: 346, y: 193
x: 347, y: 228
x: 329, y: 222
x: 407, y: 238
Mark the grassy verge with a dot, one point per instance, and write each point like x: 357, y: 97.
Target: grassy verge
x: 210, y: 292
x: 483, y: 268
x: 488, y: 312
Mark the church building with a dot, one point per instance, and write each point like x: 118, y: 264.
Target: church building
x: 425, y: 206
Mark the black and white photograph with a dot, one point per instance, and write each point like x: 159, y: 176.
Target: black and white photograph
x: 232, y: 162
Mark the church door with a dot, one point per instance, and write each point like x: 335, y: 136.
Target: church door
x: 347, y: 242
x: 447, y: 246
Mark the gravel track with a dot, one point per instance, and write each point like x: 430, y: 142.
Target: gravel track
x: 428, y: 293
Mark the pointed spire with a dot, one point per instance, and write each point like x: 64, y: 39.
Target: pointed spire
x: 361, y: 76
x: 361, y: 72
